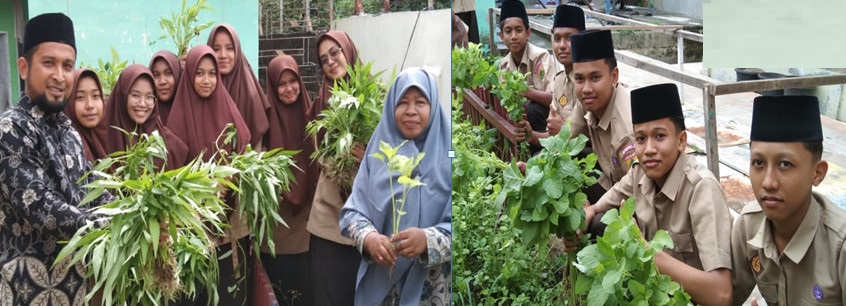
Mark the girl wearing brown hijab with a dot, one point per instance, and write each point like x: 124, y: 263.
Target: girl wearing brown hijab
x: 289, y: 101
x: 166, y: 71
x: 334, y: 259
x: 132, y: 107
x: 203, y: 111
x: 85, y: 111
x: 240, y: 81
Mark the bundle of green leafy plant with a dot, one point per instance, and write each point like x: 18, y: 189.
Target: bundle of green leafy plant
x: 549, y: 199
x: 355, y: 109
x: 261, y: 178
x: 510, y: 89
x: 620, y: 270
x: 108, y: 72
x: 129, y: 258
x: 404, y: 165
x: 471, y: 69
x: 181, y: 27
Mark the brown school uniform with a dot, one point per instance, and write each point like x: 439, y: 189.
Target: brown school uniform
x: 690, y: 206
x: 610, y: 136
x: 542, y: 66
x: 810, y: 271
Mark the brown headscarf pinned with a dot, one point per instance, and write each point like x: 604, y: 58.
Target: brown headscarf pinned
x: 172, y: 62
x: 117, y: 115
x: 351, y: 54
x: 244, y: 88
x: 90, y: 143
x: 287, y: 129
x: 199, y: 121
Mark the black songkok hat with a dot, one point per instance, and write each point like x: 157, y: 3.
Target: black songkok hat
x: 591, y: 45
x: 50, y: 27
x: 786, y: 119
x: 655, y: 102
x: 569, y: 16
x: 513, y: 8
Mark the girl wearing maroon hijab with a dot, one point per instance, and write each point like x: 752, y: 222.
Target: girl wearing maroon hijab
x: 334, y: 259
x: 166, y: 71
x: 85, y: 111
x: 240, y: 81
x: 132, y: 107
x: 203, y: 111
x: 289, y: 101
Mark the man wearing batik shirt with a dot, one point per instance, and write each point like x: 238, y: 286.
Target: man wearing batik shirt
x: 41, y: 161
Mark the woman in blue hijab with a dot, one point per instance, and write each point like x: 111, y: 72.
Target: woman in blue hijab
x: 412, y: 267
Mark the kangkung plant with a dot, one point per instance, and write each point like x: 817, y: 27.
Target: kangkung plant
x: 355, y: 109
x: 548, y: 200
x: 182, y: 26
x: 510, y: 91
x: 405, y: 166
x: 158, y: 244
x: 620, y: 268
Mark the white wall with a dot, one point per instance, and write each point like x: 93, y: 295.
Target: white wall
x: 384, y: 40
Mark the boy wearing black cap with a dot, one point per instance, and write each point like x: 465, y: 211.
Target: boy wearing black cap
x: 569, y: 20
x: 41, y: 163
x: 604, y: 111
x: 528, y: 59
x: 675, y: 193
x: 790, y: 243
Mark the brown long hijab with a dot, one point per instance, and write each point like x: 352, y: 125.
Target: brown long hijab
x: 287, y: 129
x: 90, y: 143
x: 351, y: 54
x: 117, y: 115
x: 199, y: 121
x: 244, y: 88
x: 173, y: 62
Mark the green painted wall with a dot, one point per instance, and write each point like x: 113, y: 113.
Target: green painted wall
x: 132, y: 26
x: 7, y: 24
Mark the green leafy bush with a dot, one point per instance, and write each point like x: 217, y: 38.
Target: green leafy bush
x: 620, y: 270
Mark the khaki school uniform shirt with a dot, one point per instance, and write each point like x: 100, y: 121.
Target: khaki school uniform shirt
x: 690, y: 206
x: 810, y: 271
x: 325, y: 211
x: 610, y: 136
x: 563, y: 95
x: 537, y: 61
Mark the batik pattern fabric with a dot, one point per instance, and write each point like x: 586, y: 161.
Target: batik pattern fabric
x: 41, y: 162
x: 437, y: 260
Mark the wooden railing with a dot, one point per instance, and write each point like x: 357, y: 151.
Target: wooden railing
x: 483, y: 107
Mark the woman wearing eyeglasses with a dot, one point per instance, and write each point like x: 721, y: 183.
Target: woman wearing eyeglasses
x: 132, y: 107
x: 334, y: 259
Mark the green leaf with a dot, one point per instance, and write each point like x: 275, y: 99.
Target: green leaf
x: 533, y: 176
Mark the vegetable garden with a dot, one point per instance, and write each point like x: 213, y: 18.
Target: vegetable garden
x: 504, y: 219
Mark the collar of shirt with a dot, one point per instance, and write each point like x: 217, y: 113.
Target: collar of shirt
x: 673, y: 182
x: 58, y: 119
x: 605, y: 121
x: 798, y: 244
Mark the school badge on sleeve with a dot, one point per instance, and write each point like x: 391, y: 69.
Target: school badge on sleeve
x: 539, y: 70
x: 629, y: 155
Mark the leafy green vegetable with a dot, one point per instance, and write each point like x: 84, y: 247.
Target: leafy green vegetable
x: 549, y: 199
x: 108, y: 72
x: 355, y: 109
x: 404, y: 165
x: 262, y: 177
x: 124, y: 256
x: 471, y: 69
x: 620, y: 270
x: 181, y: 27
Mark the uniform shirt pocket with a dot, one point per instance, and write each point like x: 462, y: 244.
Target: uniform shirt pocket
x: 769, y: 291
x: 683, y: 249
